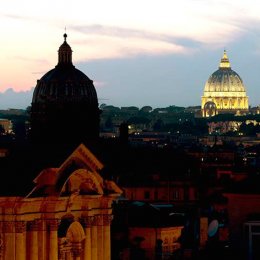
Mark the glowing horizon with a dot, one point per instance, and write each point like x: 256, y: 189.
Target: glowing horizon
x: 119, y: 30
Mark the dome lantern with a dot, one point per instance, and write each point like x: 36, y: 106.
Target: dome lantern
x: 224, y: 63
x: 65, y: 53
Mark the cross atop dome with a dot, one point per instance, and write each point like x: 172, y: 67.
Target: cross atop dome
x: 224, y: 63
x: 65, y: 36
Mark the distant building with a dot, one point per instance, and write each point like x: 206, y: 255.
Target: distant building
x: 224, y: 92
x: 4, y: 152
x: 179, y: 192
x: 244, y: 218
x: 254, y: 110
x: 149, y: 138
x: 6, y: 125
x: 152, y: 231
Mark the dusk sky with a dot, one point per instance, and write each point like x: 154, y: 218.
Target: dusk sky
x: 138, y: 52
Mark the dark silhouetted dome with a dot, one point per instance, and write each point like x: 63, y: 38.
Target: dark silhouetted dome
x: 65, y: 82
x: 64, y: 102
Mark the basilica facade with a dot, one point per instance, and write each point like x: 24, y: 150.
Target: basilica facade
x: 224, y: 92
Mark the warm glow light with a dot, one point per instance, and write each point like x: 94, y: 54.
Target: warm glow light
x: 31, y: 30
x: 224, y: 91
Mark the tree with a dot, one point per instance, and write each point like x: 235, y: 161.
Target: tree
x: 146, y: 109
x: 109, y: 123
x: 158, y: 125
x: 138, y: 120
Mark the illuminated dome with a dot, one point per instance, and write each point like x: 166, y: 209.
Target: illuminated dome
x: 64, y: 103
x: 224, y: 89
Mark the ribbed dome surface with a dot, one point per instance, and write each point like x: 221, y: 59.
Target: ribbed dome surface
x: 224, y: 81
x: 65, y: 83
x: 224, y: 92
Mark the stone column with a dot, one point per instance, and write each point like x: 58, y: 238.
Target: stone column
x: 94, y: 242
x: 107, y: 219
x: 42, y: 241
x: 53, y: 239
x: 68, y: 255
x: 61, y: 250
x: 20, y: 243
x: 100, y: 237
x: 76, y: 249
x: 62, y: 255
x: 8, y: 240
x: 32, y: 227
x: 1, y: 241
x: 67, y: 250
x: 87, y: 223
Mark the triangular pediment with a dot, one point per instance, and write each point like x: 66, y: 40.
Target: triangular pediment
x: 52, y: 180
x: 84, y: 156
x: 79, y: 174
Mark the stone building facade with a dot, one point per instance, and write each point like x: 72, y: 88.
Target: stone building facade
x: 66, y: 216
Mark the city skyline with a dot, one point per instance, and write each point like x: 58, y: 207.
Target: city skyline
x: 145, y: 53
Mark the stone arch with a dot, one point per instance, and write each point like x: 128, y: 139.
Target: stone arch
x: 210, y: 109
x: 70, y: 244
x: 70, y: 167
x: 64, y: 225
x: 83, y: 181
x: 75, y: 233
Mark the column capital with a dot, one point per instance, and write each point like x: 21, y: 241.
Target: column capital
x: 33, y: 225
x: 98, y: 220
x: 20, y: 226
x: 8, y: 226
x: 87, y: 221
x: 107, y: 219
x: 53, y: 224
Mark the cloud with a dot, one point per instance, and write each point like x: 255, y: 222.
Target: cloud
x: 191, y: 30
x: 38, y: 72
x: 15, y: 99
x: 27, y: 59
x: 127, y: 33
x: 209, y: 31
x: 15, y: 16
x: 117, y: 42
x: 109, y: 42
x: 100, y: 84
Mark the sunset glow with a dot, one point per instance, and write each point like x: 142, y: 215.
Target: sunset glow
x: 105, y: 30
